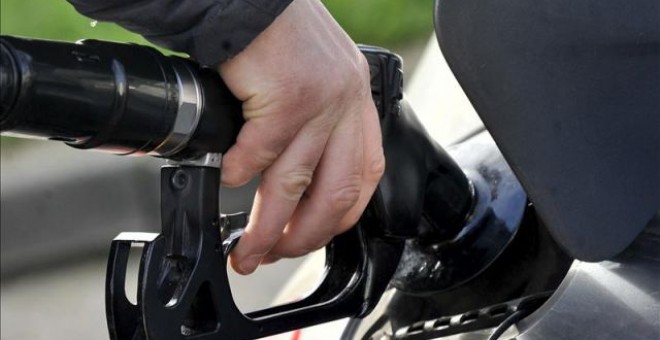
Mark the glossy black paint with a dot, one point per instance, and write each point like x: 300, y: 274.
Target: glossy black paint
x: 512, y: 260
x: 183, y: 286
x: 420, y: 178
x: 428, y: 266
x: 421, y: 182
x: 121, y: 98
x: 532, y: 263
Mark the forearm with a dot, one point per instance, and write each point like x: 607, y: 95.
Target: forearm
x: 210, y: 31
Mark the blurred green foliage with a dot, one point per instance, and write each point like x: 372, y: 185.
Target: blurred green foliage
x: 377, y: 22
x: 387, y: 23
x: 55, y: 19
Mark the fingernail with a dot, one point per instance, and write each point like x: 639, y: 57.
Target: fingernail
x: 248, y: 265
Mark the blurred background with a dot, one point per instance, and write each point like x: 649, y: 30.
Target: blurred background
x: 60, y: 207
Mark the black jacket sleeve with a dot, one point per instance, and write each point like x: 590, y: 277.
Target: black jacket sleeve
x: 210, y: 31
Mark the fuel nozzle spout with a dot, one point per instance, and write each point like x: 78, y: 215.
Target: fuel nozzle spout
x: 426, y: 195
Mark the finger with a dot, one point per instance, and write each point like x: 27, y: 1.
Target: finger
x: 260, y: 141
x: 335, y: 190
x: 268, y: 259
x: 373, y: 165
x: 282, y: 185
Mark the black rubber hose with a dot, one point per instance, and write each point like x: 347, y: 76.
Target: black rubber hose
x: 508, y: 322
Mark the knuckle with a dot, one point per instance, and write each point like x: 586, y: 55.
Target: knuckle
x: 293, y: 184
x: 344, y: 195
x: 254, y: 152
x: 262, y: 240
x: 376, y: 167
x: 339, y: 88
x: 299, y: 91
x: 232, y: 174
x: 263, y: 158
x: 353, y: 83
x: 363, y: 75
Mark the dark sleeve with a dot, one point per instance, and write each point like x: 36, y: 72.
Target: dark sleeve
x: 210, y: 31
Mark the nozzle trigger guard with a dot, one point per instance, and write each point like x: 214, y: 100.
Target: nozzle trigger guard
x: 183, y: 288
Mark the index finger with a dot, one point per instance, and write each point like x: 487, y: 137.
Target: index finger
x: 259, y: 143
x: 282, y: 186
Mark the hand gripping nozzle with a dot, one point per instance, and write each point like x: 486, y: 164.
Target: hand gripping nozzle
x: 183, y: 289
